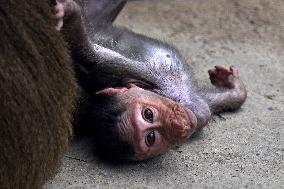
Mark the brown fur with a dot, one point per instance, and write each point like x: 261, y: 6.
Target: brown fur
x: 37, y: 91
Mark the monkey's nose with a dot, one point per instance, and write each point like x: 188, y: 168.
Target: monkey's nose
x: 188, y: 123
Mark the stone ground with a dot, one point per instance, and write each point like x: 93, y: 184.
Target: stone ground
x: 244, y: 149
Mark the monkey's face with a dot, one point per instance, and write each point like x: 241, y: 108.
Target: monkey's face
x: 153, y: 123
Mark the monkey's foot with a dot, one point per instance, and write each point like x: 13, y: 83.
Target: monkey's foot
x: 222, y: 76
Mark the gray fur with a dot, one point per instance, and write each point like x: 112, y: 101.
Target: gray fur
x: 112, y: 54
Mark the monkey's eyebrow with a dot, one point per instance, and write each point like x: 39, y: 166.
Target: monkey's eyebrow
x: 157, y: 127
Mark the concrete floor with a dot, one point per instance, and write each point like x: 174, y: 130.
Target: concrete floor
x: 244, y: 149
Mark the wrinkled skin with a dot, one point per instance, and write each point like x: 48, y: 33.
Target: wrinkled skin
x: 163, y: 104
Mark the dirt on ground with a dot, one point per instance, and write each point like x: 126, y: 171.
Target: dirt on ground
x: 244, y: 149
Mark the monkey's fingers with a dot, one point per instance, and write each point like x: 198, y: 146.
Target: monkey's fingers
x: 235, y: 71
x: 58, y: 12
x: 222, y: 76
x: 221, y: 67
x: 223, y: 70
x: 70, y: 7
x: 213, y: 76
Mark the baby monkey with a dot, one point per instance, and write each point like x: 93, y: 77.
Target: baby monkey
x: 141, y: 99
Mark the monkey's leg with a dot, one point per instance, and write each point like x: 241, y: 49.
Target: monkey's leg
x: 230, y: 91
x: 104, y: 11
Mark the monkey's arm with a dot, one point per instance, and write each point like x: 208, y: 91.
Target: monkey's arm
x: 75, y: 34
x: 93, y: 62
x: 99, y: 12
x: 104, y: 11
x: 116, y: 69
x: 230, y: 91
x: 74, y: 30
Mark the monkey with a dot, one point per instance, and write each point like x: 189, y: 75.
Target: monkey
x: 37, y: 94
x: 141, y: 97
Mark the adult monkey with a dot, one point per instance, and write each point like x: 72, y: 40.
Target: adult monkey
x: 142, y: 99
x: 37, y: 90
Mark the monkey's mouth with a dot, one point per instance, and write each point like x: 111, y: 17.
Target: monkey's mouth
x: 192, y: 122
x: 191, y: 118
x: 183, y: 124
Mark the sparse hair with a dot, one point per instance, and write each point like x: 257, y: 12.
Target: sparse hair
x: 101, y: 119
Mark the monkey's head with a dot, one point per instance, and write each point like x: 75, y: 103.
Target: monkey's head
x: 138, y: 124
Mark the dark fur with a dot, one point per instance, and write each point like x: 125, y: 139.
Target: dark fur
x: 98, y: 116
x: 37, y: 89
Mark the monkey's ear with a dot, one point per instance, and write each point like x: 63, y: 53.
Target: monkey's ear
x: 112, y: 91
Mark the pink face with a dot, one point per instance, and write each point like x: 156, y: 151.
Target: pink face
x: 153, y: 123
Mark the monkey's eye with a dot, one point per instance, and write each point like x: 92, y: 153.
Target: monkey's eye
x: 150, y: 138
x: 148, y: 115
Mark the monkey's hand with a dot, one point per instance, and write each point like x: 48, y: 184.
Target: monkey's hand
x: 58, y: 11
x: 224, y: 77
x: 230, y: 93
x: 64, y: 8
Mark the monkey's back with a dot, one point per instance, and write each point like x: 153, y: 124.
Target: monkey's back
x: 37, y: 89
